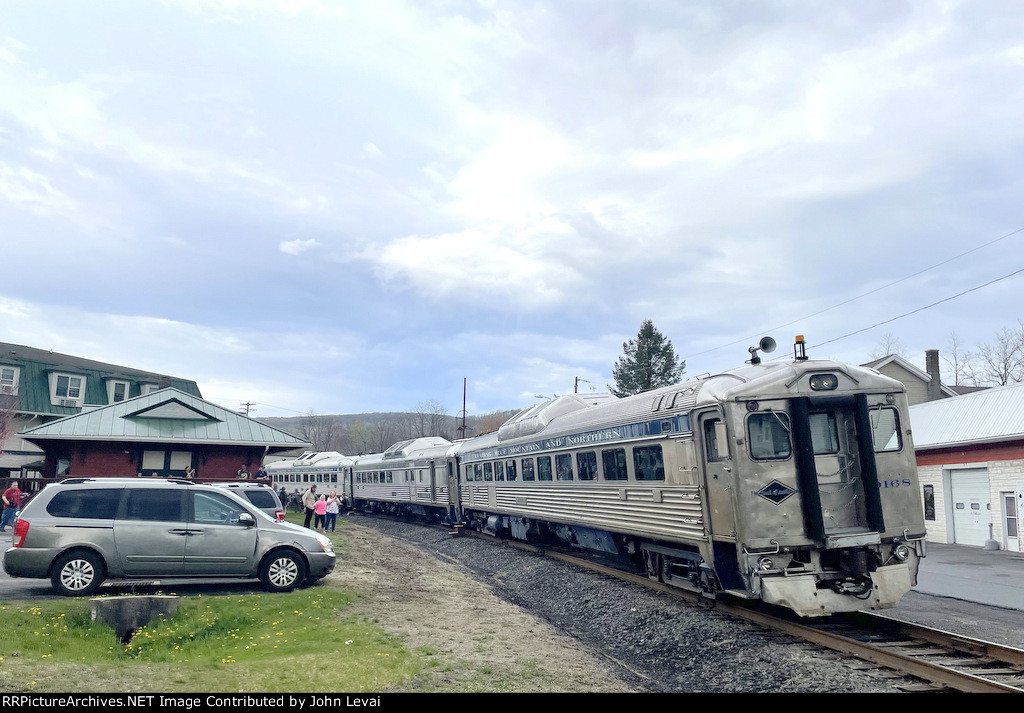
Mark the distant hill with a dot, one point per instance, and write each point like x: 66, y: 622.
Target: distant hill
x: 352, y: 434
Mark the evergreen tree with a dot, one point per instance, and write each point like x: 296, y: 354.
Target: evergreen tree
x: 648, y: 362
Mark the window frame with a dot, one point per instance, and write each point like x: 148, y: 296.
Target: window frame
x: 589, y: 473
x: 638, y: 452
x: 778, y: 416
x: 625, y: 464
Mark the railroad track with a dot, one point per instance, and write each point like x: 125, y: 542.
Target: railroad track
x: 936, y: 660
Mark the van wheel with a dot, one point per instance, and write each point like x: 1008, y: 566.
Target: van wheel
x: 282, y: 571
x: 78, y: 574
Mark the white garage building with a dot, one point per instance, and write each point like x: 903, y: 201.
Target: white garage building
x: 970, y: 457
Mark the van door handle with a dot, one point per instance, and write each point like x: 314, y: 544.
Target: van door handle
x: 194, y: 532
x: 179, y: 532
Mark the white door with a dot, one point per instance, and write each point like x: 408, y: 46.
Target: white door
x: 972, y: 506
x: 1011, y: 521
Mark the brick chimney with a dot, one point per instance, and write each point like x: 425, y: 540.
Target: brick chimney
x: 931, y: 365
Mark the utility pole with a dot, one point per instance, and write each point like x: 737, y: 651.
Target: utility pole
x: 462, y: 428
x: 576, y: 386
x: 248, y: 405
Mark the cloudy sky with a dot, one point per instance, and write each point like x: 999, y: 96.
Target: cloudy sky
x: 352, y: 207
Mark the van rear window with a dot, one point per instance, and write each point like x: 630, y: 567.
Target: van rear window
x: 98, y: 504
x: 261, y: 498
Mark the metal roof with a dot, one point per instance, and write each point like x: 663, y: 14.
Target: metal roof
x: 995, y: 414
x: 33, y: 384
x: 167, y: 415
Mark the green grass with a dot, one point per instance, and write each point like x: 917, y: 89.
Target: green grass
x: 300, y: 641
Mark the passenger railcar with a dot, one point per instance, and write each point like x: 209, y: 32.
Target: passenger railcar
x: 409, y: 478
x: 328, y: 470
x: 793, y: 482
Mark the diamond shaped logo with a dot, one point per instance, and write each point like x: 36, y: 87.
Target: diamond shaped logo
x: 776, y: 492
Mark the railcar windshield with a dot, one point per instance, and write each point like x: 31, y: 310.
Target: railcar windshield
x: 885, y: 429
x: 769, y: 436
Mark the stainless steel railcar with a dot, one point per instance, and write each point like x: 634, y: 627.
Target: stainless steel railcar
x: 328, y: 470
x: 411, y: 477
x: 793, y: 482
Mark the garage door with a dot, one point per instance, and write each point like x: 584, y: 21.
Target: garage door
x: 972, y: 506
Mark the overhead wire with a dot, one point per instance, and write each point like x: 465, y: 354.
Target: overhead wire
x: 871, y: 292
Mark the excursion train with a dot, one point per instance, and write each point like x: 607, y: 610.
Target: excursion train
x: 792, y: 482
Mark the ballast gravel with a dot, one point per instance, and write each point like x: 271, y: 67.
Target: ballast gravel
x: 648, y: 640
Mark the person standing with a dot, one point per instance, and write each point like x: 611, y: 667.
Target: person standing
x: 243, y: 472
x: 333, y: 507
x: 321, y: 512
x: 12, y: 504
x: 308, y: 503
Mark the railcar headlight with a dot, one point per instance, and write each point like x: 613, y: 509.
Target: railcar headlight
x: 901, y: 552
x: 765, y: 564
x: 824, y: 382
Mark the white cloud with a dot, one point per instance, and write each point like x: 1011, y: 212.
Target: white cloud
x: 297, y: 246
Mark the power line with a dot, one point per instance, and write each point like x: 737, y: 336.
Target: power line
x: 869, y: 292
x: 921, y: 309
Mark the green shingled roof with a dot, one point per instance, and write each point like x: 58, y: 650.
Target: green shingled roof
x: 167, y: 415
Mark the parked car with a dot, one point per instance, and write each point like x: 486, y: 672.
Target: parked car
x: 261, y: 495
x: 83, y: 531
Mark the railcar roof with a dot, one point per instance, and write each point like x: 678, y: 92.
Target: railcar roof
x: 569, y: 414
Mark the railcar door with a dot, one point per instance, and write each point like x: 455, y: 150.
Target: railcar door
x: 718, y: 472
x: 835, y: 453
x: 454, y: 491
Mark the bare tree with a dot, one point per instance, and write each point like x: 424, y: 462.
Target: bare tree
x: 318, y: 429
x: 961, y: 362
x: 888, y: 344
x: 8, y: 412
x: 1002, y: 360
x: 383, y: 434
x: 431, y: 416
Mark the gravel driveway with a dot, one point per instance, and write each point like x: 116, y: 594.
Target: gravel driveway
x: 614, y: 635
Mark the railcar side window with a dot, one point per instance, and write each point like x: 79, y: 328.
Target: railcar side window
x: 544, y: 468
x: 499, y: 471
x: 527, y: 468
x: 586, y: 465
x: 488, y: 472
x: 510, y: 468
x: 711, y: 440
x: 824, y: 433
x: 885, y: 429
x: 469, y: 473
x: 478, y: 472
x: 648, y: 463
x: 769, y: 436
x: 614, y: 462
x: 563, y: 466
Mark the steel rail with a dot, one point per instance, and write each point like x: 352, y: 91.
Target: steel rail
x: 934, y: 673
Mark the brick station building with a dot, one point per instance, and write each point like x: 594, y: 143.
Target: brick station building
x: 159, y: 434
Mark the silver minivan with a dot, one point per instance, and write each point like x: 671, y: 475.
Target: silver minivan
x: 81, y: 531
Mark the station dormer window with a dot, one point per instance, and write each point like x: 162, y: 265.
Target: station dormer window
x: 66, y: 389
x: 9, y: 380
x: 117, y: 391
